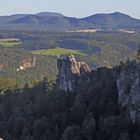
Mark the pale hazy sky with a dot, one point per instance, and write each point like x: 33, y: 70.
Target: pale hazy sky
x: 74, y: 8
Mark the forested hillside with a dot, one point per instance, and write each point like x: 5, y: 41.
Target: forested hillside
x: 65, y: 77
x: 113, y: 45
x: 38, y: 52
x: 97, y: 112
x: 19, y: 67
x: 56, y: 21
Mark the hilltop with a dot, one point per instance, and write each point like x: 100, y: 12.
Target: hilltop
x: 113, y: 20
x: 50, y: 20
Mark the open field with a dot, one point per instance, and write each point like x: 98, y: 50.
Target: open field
x: 84, y: 31
x: 57, y: 52
x: 9, y: 44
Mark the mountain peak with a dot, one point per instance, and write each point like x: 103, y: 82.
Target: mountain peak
x: 112, y: 20
x: 119, y: 14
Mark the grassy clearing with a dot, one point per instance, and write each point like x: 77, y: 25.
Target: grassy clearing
x: 9, y: 44
x: 57, y: 52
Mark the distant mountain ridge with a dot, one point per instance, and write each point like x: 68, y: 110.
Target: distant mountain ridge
x: 113, y: 20
x: 48, y: 20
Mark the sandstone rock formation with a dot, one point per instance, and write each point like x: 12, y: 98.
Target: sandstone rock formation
x: 128, y: 85
x: 119, y: 86
x: 69, y: 73
x: 27, y: 63
x: 1, y: 67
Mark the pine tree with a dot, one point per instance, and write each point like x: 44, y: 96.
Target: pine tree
x: 138, y: 52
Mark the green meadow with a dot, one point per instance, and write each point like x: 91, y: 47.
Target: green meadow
x: 9, y: 44
x: 57, y: 52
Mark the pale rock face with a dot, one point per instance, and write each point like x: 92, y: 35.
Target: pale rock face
x: 77, y: 75
x: 1, y: 67
x: 69, y: 71
x: 128, y: 85
x: 27, y: 63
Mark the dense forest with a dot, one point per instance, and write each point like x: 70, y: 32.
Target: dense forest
x: 31, y: 106
x: 43, y: 112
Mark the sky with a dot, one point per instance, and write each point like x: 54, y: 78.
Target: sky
x: 72, y: 8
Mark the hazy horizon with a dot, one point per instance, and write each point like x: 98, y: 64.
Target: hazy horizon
x: 70, y: 16
x: 78, y: 8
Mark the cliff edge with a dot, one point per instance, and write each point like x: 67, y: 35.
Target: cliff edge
x: 119, y: 86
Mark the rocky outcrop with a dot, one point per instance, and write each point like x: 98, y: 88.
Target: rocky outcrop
x: 1, y: 67
x: 119, y: 86
x: 128, y: 84
x: 70, y: 72
x: 27, y: 63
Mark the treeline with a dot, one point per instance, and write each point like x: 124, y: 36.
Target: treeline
x: 44, y: 40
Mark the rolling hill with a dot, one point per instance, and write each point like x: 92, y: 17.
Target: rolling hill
x: 113, y: 20
x: 48, y: 20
